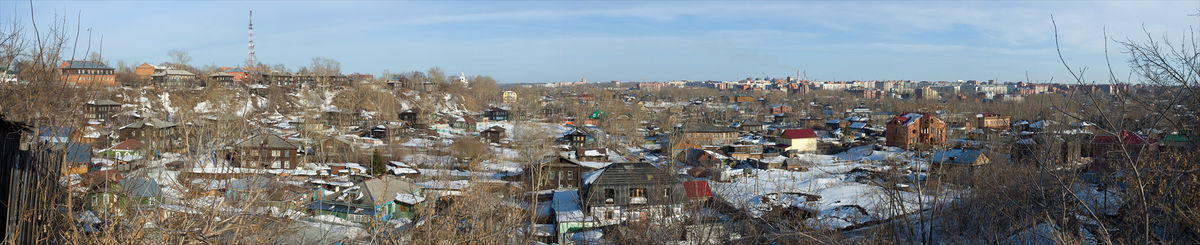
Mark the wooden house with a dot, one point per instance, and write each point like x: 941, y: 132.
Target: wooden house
x: 378, y: 199
x: 496, y: 114
x: 100, y: 109
x: 494, y: 134
x: 265, y: 151
x: 632, y: 192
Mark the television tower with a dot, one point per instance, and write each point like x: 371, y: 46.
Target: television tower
x: 250, y: 60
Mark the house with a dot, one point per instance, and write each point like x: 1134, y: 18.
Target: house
x: 412, y: 116
x: 697, y: 190
x: 221, y: 77
x: 346, y: 169
x: 496, y: 114
x: 265, y: 151
x: 402, y: 169
x: 77, y: 159
x: 158, y: 134
x: 699, y: 135
x: 142, y: 192
x: 172, y: 76
x: 494, y: 134
x: 239, y: 74
x: 993, y: 121
x: 258, y: 190
x: 743, y: 151
x: 798, y: 141
x: 124, y: 152
x: 562, y: 171
x: 705, y: 159
x: 780, y: 109
x: 751, y: 126
x: 465, y: 123
x: 57, y: 134
x: 87, y: 73
x: 1107, y: 149
x: 509, y: 97
x: 632, y: 192
x: 100, y: 109
x: 913, y: 129
x: 388, y: 132
x: 959, y: 158
x: 104, y: 192
x: 378, y: 199
x: 577, y: 137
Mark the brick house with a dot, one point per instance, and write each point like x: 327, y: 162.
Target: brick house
x: 87, y: 73
x: 913, y: 129
x: 781, y: 109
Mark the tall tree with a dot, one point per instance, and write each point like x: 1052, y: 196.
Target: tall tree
x: 179, y: 57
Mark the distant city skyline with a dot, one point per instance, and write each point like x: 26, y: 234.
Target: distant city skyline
x: 539, y: 41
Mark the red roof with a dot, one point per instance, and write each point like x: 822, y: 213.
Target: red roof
x: 799, y: 133
x: 697, y: 189
x: 1129, y: 138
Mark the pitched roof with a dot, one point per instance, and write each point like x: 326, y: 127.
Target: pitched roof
x: 152, y: 122
x: 77, y: 152
x: 705, y: 128
x: 799, y: 133
x: 956, y: 156
x: 1128, y: 137
x: 266, y: 140
x: 385, y: 189
x: 169, y: 72
x: 84, y: 64
x: 142, y: 187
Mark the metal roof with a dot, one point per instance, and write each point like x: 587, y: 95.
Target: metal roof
x: 83, y: 64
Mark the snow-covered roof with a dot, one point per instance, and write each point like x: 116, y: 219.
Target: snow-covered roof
x: 566, y: 207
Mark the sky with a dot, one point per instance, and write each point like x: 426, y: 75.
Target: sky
x: 550, y: 41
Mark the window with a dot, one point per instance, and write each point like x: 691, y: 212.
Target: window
x: 275, y: 153
x: 637, y: 196
x: 287, y: 153
x: 609, y: 194
x: 667, y: 194
x: 609, y: 214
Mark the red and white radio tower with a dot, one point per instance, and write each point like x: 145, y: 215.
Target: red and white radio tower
x: 250, y: 60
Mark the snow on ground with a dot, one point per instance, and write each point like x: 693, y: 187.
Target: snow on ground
x: 166, y: 103
x: 868, y: 153
x: 202, y: 107
x: 759, y: 192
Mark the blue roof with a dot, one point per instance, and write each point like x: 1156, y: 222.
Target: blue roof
x: 142, y: 187
x: 340, y: 208
x: 55, y: 131
x: 83, y: 64
x: 956, y: 156
x: 77, y: 152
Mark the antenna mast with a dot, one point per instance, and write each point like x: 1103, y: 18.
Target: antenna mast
x: 251, y: 60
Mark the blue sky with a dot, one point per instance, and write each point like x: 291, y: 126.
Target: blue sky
x: 545, y: 41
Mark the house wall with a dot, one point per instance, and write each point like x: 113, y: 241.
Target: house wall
x: 802, y: 145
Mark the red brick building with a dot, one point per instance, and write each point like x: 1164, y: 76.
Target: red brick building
x: 913, y: 129
x: 87, y: 73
